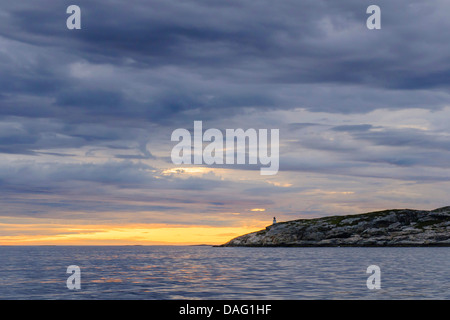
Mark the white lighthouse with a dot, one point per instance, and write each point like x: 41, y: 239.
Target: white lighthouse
x: 274, y: 220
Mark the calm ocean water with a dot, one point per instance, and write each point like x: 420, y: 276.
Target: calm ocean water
x: 202, y: 272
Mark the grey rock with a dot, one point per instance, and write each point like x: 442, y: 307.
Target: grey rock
x: 401, y: 227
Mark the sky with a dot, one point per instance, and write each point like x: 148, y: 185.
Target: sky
x: 86, y: 115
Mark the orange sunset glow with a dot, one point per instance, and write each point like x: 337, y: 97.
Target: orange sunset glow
x: 60, y: 234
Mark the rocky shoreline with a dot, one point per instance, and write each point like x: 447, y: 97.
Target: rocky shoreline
x: 388, y: 228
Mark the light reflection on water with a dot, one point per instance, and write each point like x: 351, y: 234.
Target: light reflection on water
x: 201, y: 272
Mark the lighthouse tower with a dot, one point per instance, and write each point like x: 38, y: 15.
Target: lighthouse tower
x: 274, y: 220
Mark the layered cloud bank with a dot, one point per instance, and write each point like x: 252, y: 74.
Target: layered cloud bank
x: 86, y: 115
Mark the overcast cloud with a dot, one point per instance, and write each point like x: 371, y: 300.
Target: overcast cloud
x: 86, y: 115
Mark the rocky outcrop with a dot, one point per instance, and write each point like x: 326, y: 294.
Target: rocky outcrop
x: 402, y: 227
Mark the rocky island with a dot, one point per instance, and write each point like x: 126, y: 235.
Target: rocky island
x: 399, y: 227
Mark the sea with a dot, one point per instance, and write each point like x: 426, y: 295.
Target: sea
x: 210, y: 273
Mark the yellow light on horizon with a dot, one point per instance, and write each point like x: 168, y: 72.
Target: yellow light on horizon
x: 127, y: 235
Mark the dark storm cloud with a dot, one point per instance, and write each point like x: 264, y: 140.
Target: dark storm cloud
x: 215, y: 56
x: 27, y: 136
x: 287, y: 42
x: 229, y: 55
x: 394, y: 137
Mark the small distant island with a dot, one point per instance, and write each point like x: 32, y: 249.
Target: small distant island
x: 389, y: 228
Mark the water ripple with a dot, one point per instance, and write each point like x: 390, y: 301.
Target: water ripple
x: 181, y: 272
